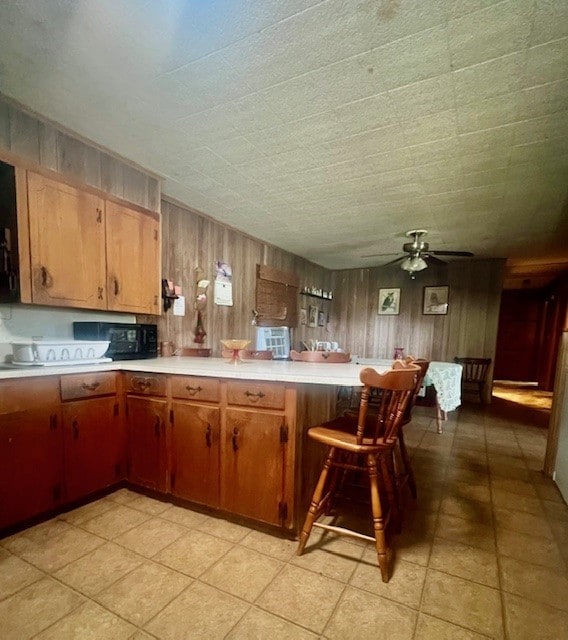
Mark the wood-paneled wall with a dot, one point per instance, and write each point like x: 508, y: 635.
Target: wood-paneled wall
x: 468, y: 329
x: 192, y: 240
x: 39, y: 142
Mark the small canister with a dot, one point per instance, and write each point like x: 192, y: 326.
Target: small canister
x: 167, y: 349
x: 398, y: 353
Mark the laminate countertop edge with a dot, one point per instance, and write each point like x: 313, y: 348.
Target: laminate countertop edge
x: 338, y: 374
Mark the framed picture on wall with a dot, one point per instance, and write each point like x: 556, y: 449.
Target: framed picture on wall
x: 321, y: 319
x: 436, y: 301
x: 313, y: 318
x: 389, y: 302
x: 303, y: 316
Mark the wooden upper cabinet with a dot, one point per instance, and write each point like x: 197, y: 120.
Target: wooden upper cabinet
x: 133, y: 260
x: 67, y: 245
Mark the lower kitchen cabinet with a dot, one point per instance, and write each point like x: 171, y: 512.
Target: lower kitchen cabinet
x: 31, y: 449
x: 195, y: 452
x: 146, y: 420
x: 94, y: 445
x: 253, y: 452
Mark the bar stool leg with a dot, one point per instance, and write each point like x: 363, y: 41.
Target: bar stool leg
x: 316, y: 504
x: 393, y: 495
x: 407, y: 465
x: 378, y: 522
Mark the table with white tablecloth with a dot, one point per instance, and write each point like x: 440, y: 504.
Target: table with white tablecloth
x: 445, y: 377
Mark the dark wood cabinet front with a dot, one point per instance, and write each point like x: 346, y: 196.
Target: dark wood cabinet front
x: 195, y: 452
x: 94, y: 445
x: 252, y: 473
x: 31, y: 449
x: 146, y: 420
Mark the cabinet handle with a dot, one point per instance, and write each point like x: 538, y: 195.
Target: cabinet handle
x: 235, y: 439
x: 193, y: 390
x: 142, y: 383
x: 116, y: 286
x: 99, y: 215
x: 92, y: 386
x: 251, y: 395
x: 75, y: 427
x: 157, y: 427
x: 100, y: 293
x: 208, y: 440
x: 46, y: 279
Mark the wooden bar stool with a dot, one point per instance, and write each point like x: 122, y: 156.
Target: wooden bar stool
x: 366, y: 448
x: 407, y: 472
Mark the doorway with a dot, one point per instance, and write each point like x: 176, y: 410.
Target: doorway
x: 530, y: 325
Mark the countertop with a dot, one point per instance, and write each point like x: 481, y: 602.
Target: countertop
x: 269, y: 370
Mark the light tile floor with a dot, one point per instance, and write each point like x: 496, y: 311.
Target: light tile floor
x: 483, y: 554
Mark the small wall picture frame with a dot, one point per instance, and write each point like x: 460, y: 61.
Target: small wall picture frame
x: 303, y: 316
x: 313, y: 317
x: 389, y: 302
x: 321, y: 319
x: 436, y: 300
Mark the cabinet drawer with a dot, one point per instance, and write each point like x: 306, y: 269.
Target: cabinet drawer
x: 146, y: 384
x: 190, y: 388
x: 256, y: 394
x: 23, y: 395
x: 87, y: 385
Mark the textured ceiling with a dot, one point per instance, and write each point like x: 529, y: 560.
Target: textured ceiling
x: 328, y: 128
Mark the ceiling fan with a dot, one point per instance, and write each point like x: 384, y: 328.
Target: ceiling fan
x: 419, y: 254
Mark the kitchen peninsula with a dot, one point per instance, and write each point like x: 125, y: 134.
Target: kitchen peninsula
x: 228, y: 437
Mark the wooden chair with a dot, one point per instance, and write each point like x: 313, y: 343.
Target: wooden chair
x: 474, y: 373
x: 245, y: 354
x: 408, y: 473
x: 367, y: 447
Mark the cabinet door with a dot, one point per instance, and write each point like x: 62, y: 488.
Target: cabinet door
x: 67, y: 245
x: 146, y: 427
x: 94, y: 445
x: 252, y: 470
x: 31, y: 451
x: 133, y: 260
x: 195, y: 453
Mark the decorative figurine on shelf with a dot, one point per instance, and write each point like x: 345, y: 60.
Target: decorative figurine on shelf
x: 200, y: 305
x: 200, y: 332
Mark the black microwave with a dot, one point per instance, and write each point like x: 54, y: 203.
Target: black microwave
x: 127, y: 341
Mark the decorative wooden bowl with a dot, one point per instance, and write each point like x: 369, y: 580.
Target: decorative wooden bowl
x: 320, y: 356
x: 195, y: 352
x: 235, y: 346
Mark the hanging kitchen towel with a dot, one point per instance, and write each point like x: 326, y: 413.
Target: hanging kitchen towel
x: 223, y: 285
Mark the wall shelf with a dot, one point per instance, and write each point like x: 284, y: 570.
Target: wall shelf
x: 313, y: 295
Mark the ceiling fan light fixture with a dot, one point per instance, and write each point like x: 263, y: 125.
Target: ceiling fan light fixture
x: 413, y: 263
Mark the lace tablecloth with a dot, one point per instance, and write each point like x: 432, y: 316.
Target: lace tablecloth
x: 446, y: 378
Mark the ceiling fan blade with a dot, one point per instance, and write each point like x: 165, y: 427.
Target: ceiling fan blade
x: 464, y: 254
x: 379, y: 255
x: 394, y: 261
x: 433, y: 259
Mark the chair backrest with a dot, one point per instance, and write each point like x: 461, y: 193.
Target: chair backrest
x: 423, y: 364
x: 394, y: 390
x: 246, y: 354
x: 474, y: 369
